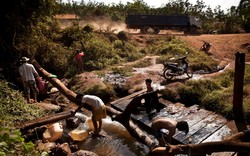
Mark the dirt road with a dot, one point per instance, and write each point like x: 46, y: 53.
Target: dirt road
x: 224, y: 46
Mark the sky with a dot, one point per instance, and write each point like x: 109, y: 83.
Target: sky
x: 225, y: 4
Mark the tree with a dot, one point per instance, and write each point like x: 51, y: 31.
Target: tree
x: 17, y: 16
x: 244, y: 12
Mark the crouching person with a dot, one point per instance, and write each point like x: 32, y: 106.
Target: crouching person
x: 97, y: 107
x: 164, y: 129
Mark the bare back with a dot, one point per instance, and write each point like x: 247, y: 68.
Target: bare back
x: 162, y: 122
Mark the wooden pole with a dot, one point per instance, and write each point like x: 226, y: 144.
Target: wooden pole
x: 238, y: 95
x: 238, y: 92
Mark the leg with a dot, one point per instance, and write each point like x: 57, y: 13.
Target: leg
x: 27, y: 91
x: 34, y: 89
x: 147, y: 105
x: 35, y: 97
x: 100, y: 126
x: 95, y: 124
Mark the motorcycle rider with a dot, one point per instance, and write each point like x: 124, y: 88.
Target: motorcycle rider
x: 205, y: 47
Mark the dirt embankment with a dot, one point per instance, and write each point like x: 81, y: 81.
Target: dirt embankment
x: 224, y: 47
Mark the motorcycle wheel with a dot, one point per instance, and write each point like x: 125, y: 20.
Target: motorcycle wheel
x: 167, y: 75
x: 189, y: 73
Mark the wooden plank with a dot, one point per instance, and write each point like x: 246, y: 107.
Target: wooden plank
x: 223, y: 133
x: 194, y: 128
x: 122, y: 103
x: 209, y: 128
x: 165, y: 112
x: 121, y: 100
x: 203, y: 125
x: 194, y: 117
x: 121, y: 106
x: 178, y: 112
x: 144, y: 119
x: 164, y: 101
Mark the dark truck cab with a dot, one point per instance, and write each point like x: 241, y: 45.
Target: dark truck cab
x: 157, y: 22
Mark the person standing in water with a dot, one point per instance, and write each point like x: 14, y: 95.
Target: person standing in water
x: 98, y: 109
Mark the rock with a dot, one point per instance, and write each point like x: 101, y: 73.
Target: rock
x: 48, y: 106
x: 72, y: 122
x: 83, y: 153
x: 61, y: 150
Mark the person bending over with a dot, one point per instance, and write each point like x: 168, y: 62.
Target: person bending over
x: 97, y: 107
x: 158, y: 124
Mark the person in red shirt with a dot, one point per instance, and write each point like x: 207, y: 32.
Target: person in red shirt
x: 42, y: 87
x: 78, y: 59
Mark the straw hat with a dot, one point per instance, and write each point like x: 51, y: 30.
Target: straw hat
x: 24, y: 59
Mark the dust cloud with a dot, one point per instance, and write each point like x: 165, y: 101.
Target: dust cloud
x: 100, y: 24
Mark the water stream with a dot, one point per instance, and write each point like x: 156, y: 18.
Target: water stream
x: 118, y: 142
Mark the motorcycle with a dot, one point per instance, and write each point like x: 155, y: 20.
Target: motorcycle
x: 205, y: 47
x: 172, y: 69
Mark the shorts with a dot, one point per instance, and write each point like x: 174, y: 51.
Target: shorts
x: 30, y: 85
x: 100, y: 113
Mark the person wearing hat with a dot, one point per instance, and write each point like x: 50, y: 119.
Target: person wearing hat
x: 161, y: 124
x: 27, y: 72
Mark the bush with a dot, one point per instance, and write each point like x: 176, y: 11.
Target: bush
x: 88, y: 28
x: 106, y: 94
x: 122, y: 35
x: 192, y: 92
x: 14, y: 108
x: 169, y: 95
x: 214, y: 101
x: 12, y: 143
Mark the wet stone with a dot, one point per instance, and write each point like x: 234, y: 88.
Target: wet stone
x: 72, y: 122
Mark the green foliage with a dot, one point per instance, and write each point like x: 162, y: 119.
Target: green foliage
x: 126, y: 51
x: 143, y: 63
x: 72, y: 34
x: 124, y: 71
x: 214, y: 101
x: 225, y: 79
x: 105, y: 93
x: 192, y: 92
x: 88, y: 28
x: 218, y: 101
x: 14, y: 109
x: 169, y: 94
x: 122, y: 35
x: 12, y: 143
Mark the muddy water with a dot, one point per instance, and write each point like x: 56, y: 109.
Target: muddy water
x: 117, y: 142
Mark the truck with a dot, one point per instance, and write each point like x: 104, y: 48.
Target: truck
x: 154, y: 23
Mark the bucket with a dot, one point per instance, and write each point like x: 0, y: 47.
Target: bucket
x: 53, y: 132
x: 90, y: 124
x: 79, y: 135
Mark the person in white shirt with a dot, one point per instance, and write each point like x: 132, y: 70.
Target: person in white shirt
x: 28, y: 73
x: 97, y: 107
